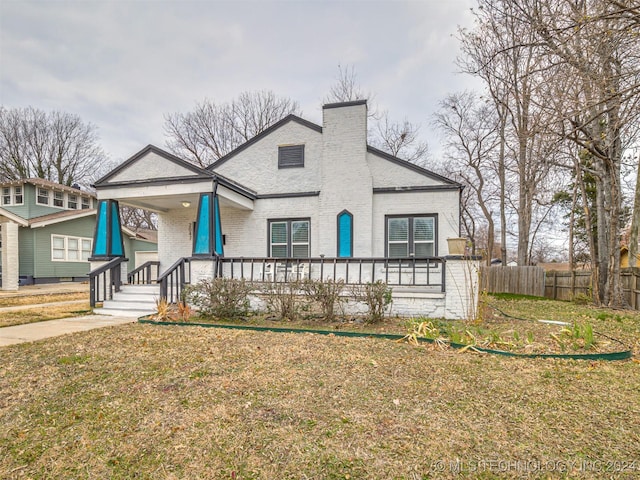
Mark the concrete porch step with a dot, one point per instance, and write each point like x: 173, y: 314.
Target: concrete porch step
x: 131, y: 301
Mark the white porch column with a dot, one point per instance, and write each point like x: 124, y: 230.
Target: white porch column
x: 462, y: 283
x: 10, y: 263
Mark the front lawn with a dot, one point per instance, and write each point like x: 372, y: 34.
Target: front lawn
x: 187, y: 402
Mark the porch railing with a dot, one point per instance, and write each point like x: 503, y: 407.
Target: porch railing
x: 143, y: 274
x: 173, y: 280
x: 105, y: 280
x: 426, y: 272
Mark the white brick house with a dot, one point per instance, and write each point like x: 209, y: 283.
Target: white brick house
x: 296, y: 191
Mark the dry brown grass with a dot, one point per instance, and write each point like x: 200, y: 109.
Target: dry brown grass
x: 187, y: 402
x: 40, y: 314
x: 39, y: 299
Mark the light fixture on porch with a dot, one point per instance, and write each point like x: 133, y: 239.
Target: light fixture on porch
x: 186, y: 204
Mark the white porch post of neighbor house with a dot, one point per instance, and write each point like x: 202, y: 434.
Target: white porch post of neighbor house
x: 10, y: 263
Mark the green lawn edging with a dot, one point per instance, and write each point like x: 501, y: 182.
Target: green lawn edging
x: 611, y: 356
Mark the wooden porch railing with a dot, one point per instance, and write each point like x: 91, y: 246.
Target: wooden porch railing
x: 172, y: 281
x: 105, y: 280
x: 142, y: 274
x: 415, y: 272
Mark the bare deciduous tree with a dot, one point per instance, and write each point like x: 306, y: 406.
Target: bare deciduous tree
x: 56, y: 146
x: 400, y: 139
x: 212, y: 130
x: 470, y: 127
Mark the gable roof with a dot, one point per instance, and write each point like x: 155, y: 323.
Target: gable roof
x: 13, y: 217
x: 318, y: 128
x: 289, y: 118
x: 197, y: 171
x: 413, y: 166
x: 41, y: 182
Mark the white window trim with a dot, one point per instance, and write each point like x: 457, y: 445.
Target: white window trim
x: 65, y: 239
x: 12, y: 196
x: 38, y: 202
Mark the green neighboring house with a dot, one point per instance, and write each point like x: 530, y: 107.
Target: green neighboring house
x: 55, y: 227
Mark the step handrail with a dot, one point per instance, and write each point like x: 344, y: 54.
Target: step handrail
x: 110, y: 284
x: 144, y: 271
x: 173, y: 280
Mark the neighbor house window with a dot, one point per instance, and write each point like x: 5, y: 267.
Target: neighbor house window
x: 6, y: 195
x: 70, y: 249
x: 289, y: 238
x: 409, y: 236
x: 85, y: 203
x: 43, y: 196
x: 17, y: 195
x: 58, y: 199
x: 291, y: 156
x: 72, y: 202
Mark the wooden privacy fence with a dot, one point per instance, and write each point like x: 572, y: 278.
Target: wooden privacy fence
x: 557, y: 285
x: 566, y: 285
x: 520, y: 280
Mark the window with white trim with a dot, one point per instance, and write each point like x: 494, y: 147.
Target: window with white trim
x: 12, y: 195
x: 72, y: 201
x: 58, y: 199
x: 289, y: 238
x: 70, y: 249
x: 409, y: 236
x: 18, y: 198
x: 86, y: 203
x: 43, y: 196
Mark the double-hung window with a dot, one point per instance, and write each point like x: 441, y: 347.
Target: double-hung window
x: 289, y: 238
x: 86, y: 204
x: 18, y: 199
x: 72, y: 202
x: 43, y: 196
x: 411, y: 236
x: 58, y: 199
x: 6, y: 195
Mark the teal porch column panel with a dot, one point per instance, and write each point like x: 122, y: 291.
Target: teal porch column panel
x: 207, y: 240
x: 107, y: 238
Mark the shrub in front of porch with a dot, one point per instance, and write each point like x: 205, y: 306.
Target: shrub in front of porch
x: 327, y: 295
x: 377, y: 296
x: 219, y: 297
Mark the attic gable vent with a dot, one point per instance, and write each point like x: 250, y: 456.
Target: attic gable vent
x: 291, y: 156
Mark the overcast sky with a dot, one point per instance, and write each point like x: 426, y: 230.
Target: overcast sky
x: 123, y: 65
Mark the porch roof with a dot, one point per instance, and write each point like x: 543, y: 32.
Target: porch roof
x: 157, y: 181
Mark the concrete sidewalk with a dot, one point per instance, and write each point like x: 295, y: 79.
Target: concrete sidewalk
x: 53, y: 328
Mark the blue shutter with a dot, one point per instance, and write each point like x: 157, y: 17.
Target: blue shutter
x: 345, y: 234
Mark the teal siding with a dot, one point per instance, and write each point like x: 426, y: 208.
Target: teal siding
x: 31, y: 209
x: 44, y: 266
x: 25, y: 251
